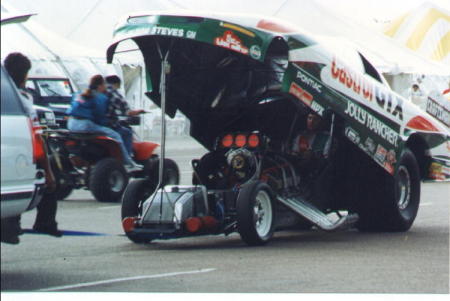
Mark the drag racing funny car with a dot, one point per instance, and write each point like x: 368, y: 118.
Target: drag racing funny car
x: 251, y: 87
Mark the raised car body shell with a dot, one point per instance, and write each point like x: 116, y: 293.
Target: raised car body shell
x: 377, y: 120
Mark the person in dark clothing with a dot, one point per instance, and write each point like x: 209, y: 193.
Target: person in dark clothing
x: 118, y: 106
x: 18, y: 66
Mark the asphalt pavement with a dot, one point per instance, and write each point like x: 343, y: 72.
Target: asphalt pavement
x: 95, y: 256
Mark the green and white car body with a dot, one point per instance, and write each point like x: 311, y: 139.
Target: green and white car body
x: 248, y: 84
x: 323, y: 74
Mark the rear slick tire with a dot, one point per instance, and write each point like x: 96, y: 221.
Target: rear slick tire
x: 393, y: 205
x: 256, y: 215
x: 107, y: 181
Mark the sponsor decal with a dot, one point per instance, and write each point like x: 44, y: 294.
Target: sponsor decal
x: 317, y: 108
x: 352, y: 135
x: 190, y: 34
x: 438, y: 111
x: 301, y: 94
x: 309, y: 81
x: 369, y: 145
x: 380, y: 154
x: 390, y: 157
x: 389, y: 167
x: 167, y: 31
x: 357, y: 83
x: 255, y: 52
x: 436, y: 171
x: 373, y: 124
x: 231, y: 41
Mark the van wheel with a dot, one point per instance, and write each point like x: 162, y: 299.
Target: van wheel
x: 393, y: 204
x: 108, y: 180
x: 255, y: 215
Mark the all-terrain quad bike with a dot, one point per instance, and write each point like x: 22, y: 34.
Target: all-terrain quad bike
x: 94, y: 161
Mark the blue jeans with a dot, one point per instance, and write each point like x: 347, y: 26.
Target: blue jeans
x: 86, y: 125
x: 127, y: 137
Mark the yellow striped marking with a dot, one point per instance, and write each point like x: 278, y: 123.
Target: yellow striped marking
x: 418, y: 35
x: 443, y: 48
x: 240, y: 29
x: 395, y: 25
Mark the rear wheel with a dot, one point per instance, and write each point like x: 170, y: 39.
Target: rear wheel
x: 135, y: 194
x: 108, y: 180
x: 255, y: 215
x: 393, y: 204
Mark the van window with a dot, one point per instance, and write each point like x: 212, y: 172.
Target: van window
x: 11, y: 104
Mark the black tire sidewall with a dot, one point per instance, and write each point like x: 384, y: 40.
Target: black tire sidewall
x: 152, y: 172
x: 132, y: 196
x: 403, y: 219
x: 99, y: 183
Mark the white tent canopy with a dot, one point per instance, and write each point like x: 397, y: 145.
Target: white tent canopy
x: 425, y: 30
x: 94, y: 24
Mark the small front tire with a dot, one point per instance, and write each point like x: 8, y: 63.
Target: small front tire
x: 256, y: 215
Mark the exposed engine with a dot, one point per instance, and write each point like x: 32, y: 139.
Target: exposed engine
x: 240, y: 158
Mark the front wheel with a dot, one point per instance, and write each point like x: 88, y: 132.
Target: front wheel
x: 393, y: 205
x: 108, y: 180
x: 255, y: 215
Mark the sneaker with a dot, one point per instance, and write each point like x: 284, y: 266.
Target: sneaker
x: 132, y: 167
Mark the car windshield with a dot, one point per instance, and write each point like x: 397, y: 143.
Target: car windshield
x: 54, y: 87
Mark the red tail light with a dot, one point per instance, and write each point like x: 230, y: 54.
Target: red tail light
x: 38, y: 143
x: 241, y: 140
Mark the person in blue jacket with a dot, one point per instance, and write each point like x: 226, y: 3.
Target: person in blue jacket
x: 88, y: 114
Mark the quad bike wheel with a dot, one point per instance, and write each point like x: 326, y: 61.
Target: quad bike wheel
x: 134, y: 195
x: 63, y: 188
x: 108, y: 179
x: 256, y: 215
x: 392, y: 203
x: 63, y: 192
x: 171, y: 173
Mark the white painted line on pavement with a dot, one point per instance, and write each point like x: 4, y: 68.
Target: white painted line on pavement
x: 80, y: 285
x: 109, y: 207
x: 425, y: 204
